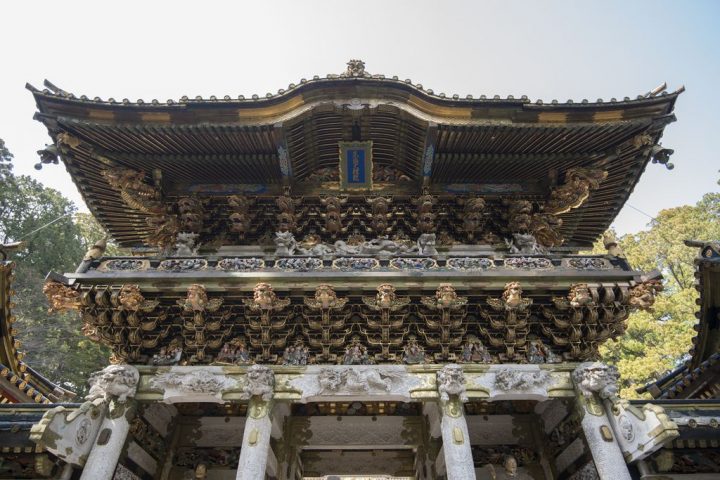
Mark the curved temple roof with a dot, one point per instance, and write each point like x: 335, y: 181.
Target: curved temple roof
x: 489, y: 146
x: 18, y: 382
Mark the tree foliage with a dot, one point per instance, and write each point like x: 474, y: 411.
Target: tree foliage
x: 658, y: 342
x: 53, y: 241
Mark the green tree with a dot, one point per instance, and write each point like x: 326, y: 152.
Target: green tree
x: 53, y: 241
x: 657, y: 342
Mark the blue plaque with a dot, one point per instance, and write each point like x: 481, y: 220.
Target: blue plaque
x: 356, y: 167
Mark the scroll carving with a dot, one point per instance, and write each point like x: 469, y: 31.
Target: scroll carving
x: 512, y: 322
x: 265, y: 303
x: 205, y: 328
x: 447, y: 331
x: 391, y: 319
x: 328, y: 332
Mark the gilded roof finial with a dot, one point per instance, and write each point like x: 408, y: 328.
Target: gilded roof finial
x: 355, y: 68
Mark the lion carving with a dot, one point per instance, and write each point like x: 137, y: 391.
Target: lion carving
x: 451, y: 381
x: 114, y: 382
x: 260, y: 381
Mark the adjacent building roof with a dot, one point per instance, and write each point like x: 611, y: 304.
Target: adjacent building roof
x: 18, y: 382
x: 699, y: 377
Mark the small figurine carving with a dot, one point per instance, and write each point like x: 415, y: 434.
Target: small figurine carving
x: 234, y: 352
x: 186, y: 244
x: 356, y: 353
x: 296, y: 354
x: 413, y: 352
x: 473, y: 351
x: 538, y: 352
x: 169, y: 355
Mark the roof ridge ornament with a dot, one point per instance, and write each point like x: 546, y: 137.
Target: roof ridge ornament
x: 355, y: 68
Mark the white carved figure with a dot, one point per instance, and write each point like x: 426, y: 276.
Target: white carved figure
x: 524, y: 243
x: 510, y: 379
x: 186, y: 244
x: 426, y: 244
x: 285, y: 243
x: 260, y: 381
x: 114, y: 381
x: 596, y: 377
x: 451, y: 381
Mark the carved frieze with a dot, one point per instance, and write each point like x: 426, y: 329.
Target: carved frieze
x: 183, y: 265
x: 192, y: 385
x: 240, y: 264
x: 528, y: 263
x: 470, y: 263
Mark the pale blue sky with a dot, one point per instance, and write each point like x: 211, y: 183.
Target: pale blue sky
x: 542, y: 49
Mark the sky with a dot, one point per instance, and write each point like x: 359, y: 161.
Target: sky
x: 543, y: 49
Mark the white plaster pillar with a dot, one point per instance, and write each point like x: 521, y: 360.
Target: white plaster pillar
x: 116, y: 385
x: 255, y: 448
x: 104, y: 456
x: 596, y: 382
x: 456, y: 442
